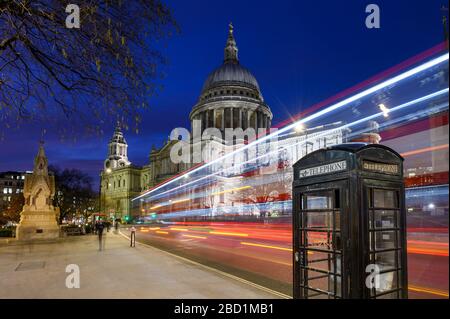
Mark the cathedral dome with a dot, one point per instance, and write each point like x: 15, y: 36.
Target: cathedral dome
x: 231, y: 74
x: 231, y: 97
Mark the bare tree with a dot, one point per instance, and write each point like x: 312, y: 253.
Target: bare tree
x: 106, y: 69
x: 74, y: 195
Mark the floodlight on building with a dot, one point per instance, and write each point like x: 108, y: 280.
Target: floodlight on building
x: 384, y: 109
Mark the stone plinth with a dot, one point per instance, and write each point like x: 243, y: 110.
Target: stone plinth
x: 36, y: 225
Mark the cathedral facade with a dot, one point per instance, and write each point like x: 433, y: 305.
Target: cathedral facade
x: 230, y: 99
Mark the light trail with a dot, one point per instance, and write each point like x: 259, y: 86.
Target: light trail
x: 228, y: 234
x: 266, y: 246
x: 426, y: 251
x: 162, y: 232
x: 232, y: 190
x: 428, y: 290
x: 200, y: 195
x: 193, y: 236
x: 179, y: 229
x: 300, y: 143
x: 180, y: 201
x: 424, y: 150
x: 329, y: 109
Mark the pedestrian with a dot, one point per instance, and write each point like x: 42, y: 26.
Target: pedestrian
x: 100, y: 228
x: 116, y: 226
x: 133, y: 237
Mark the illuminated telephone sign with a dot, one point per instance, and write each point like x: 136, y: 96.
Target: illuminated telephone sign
x: 381, y: 167
x: 349, y: 223
x: 323, y: 169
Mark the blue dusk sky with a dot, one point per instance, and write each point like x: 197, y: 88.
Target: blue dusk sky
x: 301, y: 52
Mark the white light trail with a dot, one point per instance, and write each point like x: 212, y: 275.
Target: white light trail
x: 327, y: 110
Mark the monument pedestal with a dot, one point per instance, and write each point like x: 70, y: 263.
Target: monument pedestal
x: 36, y: 225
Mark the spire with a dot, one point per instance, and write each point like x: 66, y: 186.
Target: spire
x: 231, y: 50
x: 118, y: 127
x: 40, y: 161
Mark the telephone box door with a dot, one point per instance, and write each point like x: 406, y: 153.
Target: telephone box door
x: 319, y: 219
x: 385, y: 239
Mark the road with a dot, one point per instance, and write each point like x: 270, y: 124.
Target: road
x: 263, y: 253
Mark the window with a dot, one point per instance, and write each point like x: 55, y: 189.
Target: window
x: 211, y: 118
x: 227, y: 114
x: 219, y: 119
x: 235, y: 117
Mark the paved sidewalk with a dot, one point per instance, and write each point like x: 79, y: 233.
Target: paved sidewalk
x: 38, y: 271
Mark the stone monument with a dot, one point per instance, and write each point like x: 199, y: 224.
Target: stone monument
x: 39, y: 218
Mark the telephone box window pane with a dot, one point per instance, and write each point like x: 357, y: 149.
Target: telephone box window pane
x: 384, y: 240
x: 385, y: 260
x: 383, y: 198
x: 323, y: 283
x: 383, y: 219
x: 319, y: 201
x: 318, y: 280
x: 324, y: 261
x: 319, y: 220
x: 387, y: 281
x: 319, y: 240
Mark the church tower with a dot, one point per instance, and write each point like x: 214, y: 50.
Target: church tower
x: 117, y: 151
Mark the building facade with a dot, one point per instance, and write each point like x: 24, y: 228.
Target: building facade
x: 11, y: 184
x: 230, y: 99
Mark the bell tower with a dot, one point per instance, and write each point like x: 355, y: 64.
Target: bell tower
x: 117, y: 151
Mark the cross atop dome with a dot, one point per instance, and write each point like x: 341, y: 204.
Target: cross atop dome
x: 231, y: 50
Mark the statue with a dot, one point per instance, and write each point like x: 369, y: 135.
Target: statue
x: 39, y: 218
